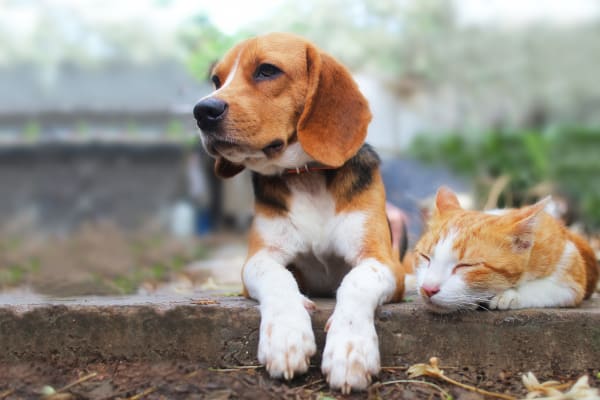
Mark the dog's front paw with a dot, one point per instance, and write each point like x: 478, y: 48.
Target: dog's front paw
x: 286, y: 341
x: 506, y: 300
x: 351, y: 354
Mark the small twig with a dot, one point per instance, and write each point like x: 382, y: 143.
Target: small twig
x: 144, y: 393
x: 445, y: 395
x: 310, y: 384
x: 191, y: 374
x: 433, y: 370
x: 70, y: 385
x: 204, y: 302
x: 233, y: 369
x: 477, y: 390
x: 6, y: 393
x: 395, y: 368
x: 495, y: 191
x: 405, y: 368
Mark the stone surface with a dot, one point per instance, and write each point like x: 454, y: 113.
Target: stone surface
x: 223, y: 331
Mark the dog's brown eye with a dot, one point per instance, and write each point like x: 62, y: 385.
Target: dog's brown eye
x: 273, y: 148
x: 266, y: 71
x: 216, y: 81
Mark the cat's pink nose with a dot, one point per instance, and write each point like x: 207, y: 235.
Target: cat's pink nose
x: 429, y: 291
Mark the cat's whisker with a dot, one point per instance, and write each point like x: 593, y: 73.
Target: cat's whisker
x: 467, y: 304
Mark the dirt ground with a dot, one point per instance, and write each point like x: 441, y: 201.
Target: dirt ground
x: 184, y: 380
x: 102, y: 259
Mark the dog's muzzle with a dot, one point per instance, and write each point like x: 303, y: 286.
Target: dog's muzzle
x: 209, y: 113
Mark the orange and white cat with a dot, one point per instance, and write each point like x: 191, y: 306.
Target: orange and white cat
x: 501, y: 259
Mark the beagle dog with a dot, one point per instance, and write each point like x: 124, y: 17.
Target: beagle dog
x: 294, y: 116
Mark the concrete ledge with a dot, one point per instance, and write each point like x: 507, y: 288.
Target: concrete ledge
x: 223, y: 331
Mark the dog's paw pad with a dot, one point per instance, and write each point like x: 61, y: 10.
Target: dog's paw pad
x: 286, y: 344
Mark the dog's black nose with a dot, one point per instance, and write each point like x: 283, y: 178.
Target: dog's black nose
x: 209, y: 112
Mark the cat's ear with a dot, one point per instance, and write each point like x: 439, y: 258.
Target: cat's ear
x: 524, y: 222
x: 446, y: 200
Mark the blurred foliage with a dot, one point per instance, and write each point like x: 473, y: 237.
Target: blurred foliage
x: 480, y: 75
x: 90, y: 34
x: 568, y: 158
x: 205, y: 45
x: 176, y: 130
x: 32, y: 131
x: 387, y: 37
x: 484, y: 74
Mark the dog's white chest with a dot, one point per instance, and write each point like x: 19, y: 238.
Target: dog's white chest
x: 322, y: 244
x: 311, y: 215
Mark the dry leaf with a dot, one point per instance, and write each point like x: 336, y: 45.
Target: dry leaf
x: 550, y: 390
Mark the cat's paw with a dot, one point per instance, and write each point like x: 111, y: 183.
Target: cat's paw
x: 508, y: 300
x: 286, y: 340
x: 351, y: 354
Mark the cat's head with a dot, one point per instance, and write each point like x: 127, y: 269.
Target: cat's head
x: 467, y: 257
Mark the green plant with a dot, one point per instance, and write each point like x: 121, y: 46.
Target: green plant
x: 175, y: 130
x: 567, y: 157
x: 205, y: 44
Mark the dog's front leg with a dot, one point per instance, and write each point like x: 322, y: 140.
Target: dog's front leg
x: 351, y: 352
x: 286, y: 340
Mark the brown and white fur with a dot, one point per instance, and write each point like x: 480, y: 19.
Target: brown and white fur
x: 294, y: 116
x: 501, y: 259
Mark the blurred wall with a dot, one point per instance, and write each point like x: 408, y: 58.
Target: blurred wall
x: 56, y: 187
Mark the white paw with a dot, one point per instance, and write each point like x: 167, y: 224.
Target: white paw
x: 286, y: 340
x: 351, y: 354
x: 505, y: 300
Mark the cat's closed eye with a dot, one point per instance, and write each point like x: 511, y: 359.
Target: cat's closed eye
x: 463, y: 265
x: 423, y: 259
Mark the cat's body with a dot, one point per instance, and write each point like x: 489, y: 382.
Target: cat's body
x: 505, y: 259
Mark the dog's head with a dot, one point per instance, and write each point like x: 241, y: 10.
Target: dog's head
x: 280, y: 103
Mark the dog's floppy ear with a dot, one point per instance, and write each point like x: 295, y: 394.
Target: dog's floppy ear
x: 226, y: 169
x: 333, y: 124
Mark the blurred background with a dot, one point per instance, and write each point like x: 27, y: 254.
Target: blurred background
x: 104, y: 188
